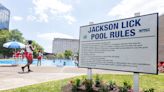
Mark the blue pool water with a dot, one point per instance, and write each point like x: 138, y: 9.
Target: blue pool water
x: 43, y: 62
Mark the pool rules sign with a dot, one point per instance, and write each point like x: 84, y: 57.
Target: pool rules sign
x: 125, y: 45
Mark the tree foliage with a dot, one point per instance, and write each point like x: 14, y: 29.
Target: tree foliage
x: 60, y: 56
x: 14, y: 35
x: 68, y: 54
x: 37, y: 47
x: 4, y: 37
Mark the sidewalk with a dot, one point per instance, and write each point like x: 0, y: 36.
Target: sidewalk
x: 13, y: 77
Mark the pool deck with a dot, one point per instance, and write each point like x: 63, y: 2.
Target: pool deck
x: 13, y: 77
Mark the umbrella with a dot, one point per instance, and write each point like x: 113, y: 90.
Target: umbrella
x: 14, y: 45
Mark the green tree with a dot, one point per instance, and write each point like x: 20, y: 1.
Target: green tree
x: 16, y: 35
x: 37, y: 48
x: 60, y: 55
x: 4, y: 37
x: 68, y: 54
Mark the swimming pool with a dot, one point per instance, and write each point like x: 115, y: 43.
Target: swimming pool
x: 56, y: 62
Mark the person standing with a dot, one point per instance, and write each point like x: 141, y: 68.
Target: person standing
x: 17, y: 54
x: 22, y: 54
x: 40, y: 55
x: 29, y: 55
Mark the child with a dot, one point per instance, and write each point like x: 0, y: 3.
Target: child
x: 40, y: 55
x: 22, y: 54
x: 17, y: 54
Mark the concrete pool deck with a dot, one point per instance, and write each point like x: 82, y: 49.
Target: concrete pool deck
x: 12, y: 76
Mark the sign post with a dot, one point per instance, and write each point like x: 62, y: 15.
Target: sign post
x: 136, y: 74
x: 136, y: 82
x: 89, y: 71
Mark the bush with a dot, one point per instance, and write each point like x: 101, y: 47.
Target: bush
x: 103, y: 88
x: 149, y: 90
x: 85, y: 85
x: 126, y: 87
x: 77, y: 82
x: 98, y: 80
x: 112, y: 85
x: 88, y: 85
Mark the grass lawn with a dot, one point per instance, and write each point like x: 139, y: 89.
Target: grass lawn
x: 146, y: 81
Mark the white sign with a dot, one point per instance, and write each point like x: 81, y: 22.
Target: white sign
x: 126, y: 45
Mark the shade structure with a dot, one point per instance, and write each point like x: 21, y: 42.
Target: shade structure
x: 14, y: 45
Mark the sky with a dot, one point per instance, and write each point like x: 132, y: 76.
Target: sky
x: 44, y: 20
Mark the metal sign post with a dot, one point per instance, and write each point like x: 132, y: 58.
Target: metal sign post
x: 136, y: 74
x: 136, y: 82
x: 89, y: 74
x: 89, y: 71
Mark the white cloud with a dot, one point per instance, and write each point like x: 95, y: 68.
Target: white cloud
x: 77, y: 1
x: 17, y: 18
x: 51, y: 36
x: 70, y: 19
x: 2, y: 1
x: 127, y: 8
x: 44, y: 9
x: 31, y: 18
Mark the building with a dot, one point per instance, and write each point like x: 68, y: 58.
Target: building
x: 62, y: 44
x: 4, y: 17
